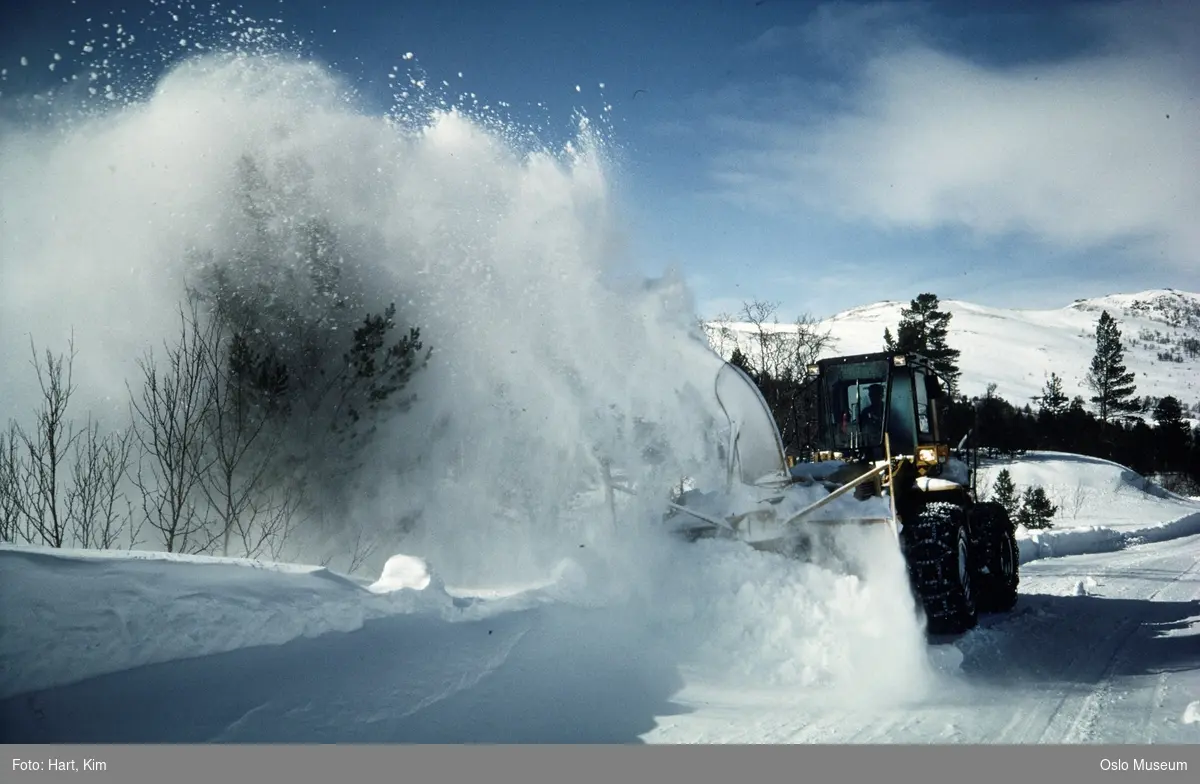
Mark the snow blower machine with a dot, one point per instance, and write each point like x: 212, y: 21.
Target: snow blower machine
x: 879, y: 460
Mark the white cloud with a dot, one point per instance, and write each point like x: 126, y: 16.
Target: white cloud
x: 841, y: 31
x: 1080, y: 153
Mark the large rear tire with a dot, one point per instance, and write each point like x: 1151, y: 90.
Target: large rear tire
x: 941, y: 566
x: 999, y: 558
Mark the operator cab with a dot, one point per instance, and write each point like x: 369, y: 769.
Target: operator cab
x: 859, y: 398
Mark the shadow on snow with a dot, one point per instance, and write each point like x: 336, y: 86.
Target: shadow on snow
x: 549, y: 675
x: 1066, y: 640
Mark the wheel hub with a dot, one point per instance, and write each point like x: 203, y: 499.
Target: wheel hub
x: 964, y: 574
x: 1006, y: 557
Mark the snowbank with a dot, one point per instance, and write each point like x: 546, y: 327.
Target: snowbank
x: 1091, y: 491
x: 70, y: 614
x: 719, y: 607
x: 1100, y: 539
x: 1102, y: 506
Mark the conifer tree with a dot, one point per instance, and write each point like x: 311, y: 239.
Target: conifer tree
x: 1036, y: 510
x: 740, y: 360
x: 923, y: 329
x: 1171, y: 433
x: 1004, y: 492
x: 1053, y: 401
x: 1108, y: 377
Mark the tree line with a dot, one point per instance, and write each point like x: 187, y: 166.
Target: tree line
x: 1149, y: 435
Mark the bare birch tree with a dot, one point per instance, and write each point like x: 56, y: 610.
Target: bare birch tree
x: 170, y: 415
x: 40, y: 473
x: 95, y: 497
x: 241, y: 446
x: 11, y: 530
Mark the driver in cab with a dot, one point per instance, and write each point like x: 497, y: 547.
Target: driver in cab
x: 872, y: 414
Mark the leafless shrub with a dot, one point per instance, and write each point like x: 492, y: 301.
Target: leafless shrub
x: 1072, y: 500
x: 720, y: 334
x: 61, y: 485
x: 94, y: 499
x: 10, y: 528
x: 241, y: 447
x: 783, y: 352
x: 363, y: 547
x: 170, y: 415
x: 767, y: 342
x: 37, y: 474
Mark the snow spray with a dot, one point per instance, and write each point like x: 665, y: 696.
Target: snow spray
x: 552, y: 365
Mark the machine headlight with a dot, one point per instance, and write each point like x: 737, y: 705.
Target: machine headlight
x: 926, y: 455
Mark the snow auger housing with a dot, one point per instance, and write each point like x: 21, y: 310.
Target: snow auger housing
x: 879, y: 441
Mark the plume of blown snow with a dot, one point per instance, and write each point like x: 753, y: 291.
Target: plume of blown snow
x: 550, y: 367
x: 546, y: 359
x: 841, y: 631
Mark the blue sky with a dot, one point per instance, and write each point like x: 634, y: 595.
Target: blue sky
x: 819, y: 155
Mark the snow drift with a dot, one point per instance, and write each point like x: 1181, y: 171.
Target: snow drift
x: 134, y: 609
x: 716, y: 608
x: 1102, y: 506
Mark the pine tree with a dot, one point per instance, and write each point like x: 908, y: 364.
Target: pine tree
x: 1004, y: 492
x: 923, y: 329
x: 1172, y: 433
x: 1036, y: 510
x: 1108, y: 378
x: 740, y: 360
x: 1052, y: 400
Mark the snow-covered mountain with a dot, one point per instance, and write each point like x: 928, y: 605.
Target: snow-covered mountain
x: 1017, y: 349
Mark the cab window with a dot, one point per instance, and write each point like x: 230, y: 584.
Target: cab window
x: 924, y: 429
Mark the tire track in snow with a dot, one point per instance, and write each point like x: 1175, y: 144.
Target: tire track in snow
x: 1082, y: 724
x: 1016, y: 727
x: 822, y: 728
x: 1102, y: 700
x: 1155, y: 700
x: 1084, y: 720
x: 1039, y: 706
x: 1043, y: 722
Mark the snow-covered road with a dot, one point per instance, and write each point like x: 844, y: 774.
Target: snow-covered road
x: 1101, y: 648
